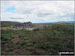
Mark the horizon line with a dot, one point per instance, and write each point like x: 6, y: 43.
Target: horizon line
x: 41, y: 22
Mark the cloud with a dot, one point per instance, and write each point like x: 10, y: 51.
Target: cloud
x: 43, y: 14
x: 37, y: 11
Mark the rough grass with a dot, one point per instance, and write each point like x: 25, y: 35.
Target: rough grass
x: 50, y: 39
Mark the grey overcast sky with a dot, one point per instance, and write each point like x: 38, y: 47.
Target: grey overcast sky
x: 37, y: 11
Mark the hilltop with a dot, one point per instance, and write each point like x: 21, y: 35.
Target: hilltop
x: 9, y: 23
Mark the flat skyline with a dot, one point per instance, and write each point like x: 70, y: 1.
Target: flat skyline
x: 37, y: 11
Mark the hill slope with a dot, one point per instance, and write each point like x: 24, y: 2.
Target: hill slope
x: 50, y: 39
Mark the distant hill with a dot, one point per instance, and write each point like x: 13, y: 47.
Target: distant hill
x: 66, y: 22
x: 7, y: 23
x: 10, y: 23
x: 25, y: 25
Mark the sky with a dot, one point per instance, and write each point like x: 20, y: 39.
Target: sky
x: 37, y: 11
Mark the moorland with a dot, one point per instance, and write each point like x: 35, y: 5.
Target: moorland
x: 48, y: 40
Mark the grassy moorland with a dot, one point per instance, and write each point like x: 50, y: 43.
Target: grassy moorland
x: 50, y: 39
